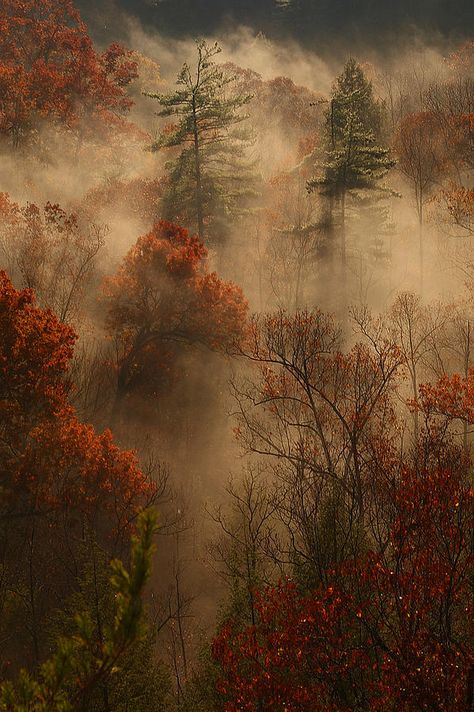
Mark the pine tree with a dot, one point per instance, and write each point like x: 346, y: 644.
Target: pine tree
x: 143, y: 683
x: 355, y: 161
x: 210, y: 180
x: 86, y: 662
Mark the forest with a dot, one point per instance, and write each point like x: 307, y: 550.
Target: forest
x: 236, y: 368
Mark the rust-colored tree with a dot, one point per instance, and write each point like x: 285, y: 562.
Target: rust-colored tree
x: 62, y: 484
x: 394, y: 634
x: 162, y: 297
x: 50, y: 71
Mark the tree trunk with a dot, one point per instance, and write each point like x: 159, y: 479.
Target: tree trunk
x: 197, y: 168
x: 420, y: 238
x: 343, y: 256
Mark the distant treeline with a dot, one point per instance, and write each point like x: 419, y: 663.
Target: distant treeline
x: 308, y: 21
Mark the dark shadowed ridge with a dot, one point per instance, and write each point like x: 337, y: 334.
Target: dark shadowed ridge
x: 317, y: 24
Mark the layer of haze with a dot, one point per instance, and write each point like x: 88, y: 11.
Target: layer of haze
x: 309, y: 49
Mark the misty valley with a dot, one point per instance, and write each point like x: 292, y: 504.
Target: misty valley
x: 236, y: 361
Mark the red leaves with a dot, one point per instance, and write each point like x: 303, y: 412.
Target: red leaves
x: 35, y: 350
x: 50, y: 69
x: 292, y: 658
x: 421, y: 600
x: 392, y: 637
x: 162, y: 295
x: 47, y: 457
x: 451, y: 397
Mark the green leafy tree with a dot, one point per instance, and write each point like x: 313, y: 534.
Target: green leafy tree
x: 86, y: 661
x: 210, y: 177
x: 143, y: 684
x: 355, y: 162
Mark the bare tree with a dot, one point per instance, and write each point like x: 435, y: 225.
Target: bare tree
x: 421, y: 160
x: 321, y: 418
x: 245, y: 554
x: 52, y: 252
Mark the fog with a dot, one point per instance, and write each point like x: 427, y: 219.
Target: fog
x: 190, y: 426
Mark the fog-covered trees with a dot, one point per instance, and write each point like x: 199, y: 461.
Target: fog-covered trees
x: 333, y: 571
x: 355, y: 158
x: 163, y: 295
x: 421, y: 159
x: 210, y: 177
x: 52, y: 252
x: 60, y: 479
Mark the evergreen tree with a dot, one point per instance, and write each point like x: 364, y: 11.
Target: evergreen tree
x: 210, y: 180
x: 143, y: 684
x: 355, y: 161
x: 86, y: 662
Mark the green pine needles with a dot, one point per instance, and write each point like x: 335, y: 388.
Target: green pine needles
x: 211, y: 179
x: 82, y: 662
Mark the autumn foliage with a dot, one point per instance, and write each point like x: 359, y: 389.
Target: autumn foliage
x: 35, y: 351
x: 49, y: 70
x: 390, y: 635
x: 163, y: 296
x: 347, y: 544
x: 47, y: 453
x: 374, y: 614
x: 60, y: 479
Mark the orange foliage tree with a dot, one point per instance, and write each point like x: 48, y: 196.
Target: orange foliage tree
x: 46, y: 450
x: 448, y: 403
x: 49, y: 70
x: 163, y: 296
x: 62, y: 484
